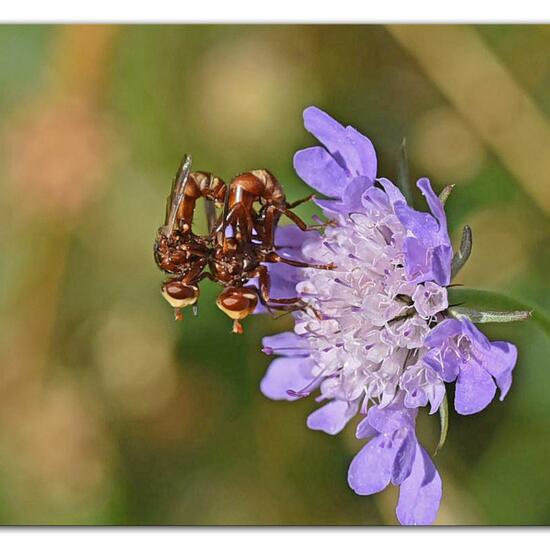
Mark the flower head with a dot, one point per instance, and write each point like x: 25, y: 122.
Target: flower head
x: 374, y: 338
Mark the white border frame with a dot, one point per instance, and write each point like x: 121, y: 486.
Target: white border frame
x: 280, y: 11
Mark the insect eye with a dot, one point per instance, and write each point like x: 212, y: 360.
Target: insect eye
x: 178, y: 294
x: 237, y: 303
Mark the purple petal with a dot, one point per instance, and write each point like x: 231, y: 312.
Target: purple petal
x: 366, y: 154
x: 436, y: 207
x: 442, y: 257
x: 404, y: 458
x: 475, y: 336
x: 364, y: 429
x: 442, y: 332
x: 285, y: 374
x: 351, y: 149
x: 421, y: 225
x: 442, y: 254
x: 503, y: 360
x: 428, y: 250
x: 332, y: 206
x: 422, y: 384
x: 288, y: 344
x: 388, y: 420
x: 475, y: 389
x: 289, y: 236
x: 320, y: 171
x: 327, y: 130
x: 354, y: 191
x: 420, y: 493
x: 351, y: 199
x: 445, y: 362
x: 332, y: 417
x: 283, y: 280
x: 392, y: 191
x: 436, y: 393
x: 418, y: 261
x: 371, y: 469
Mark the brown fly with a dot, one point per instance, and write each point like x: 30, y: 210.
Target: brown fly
x: 240, y: 241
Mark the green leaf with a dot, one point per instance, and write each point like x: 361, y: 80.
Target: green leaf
x: 484, y: 300
x: 463, y: 253
x: 489, y: 316
x: 444, y: 423
x: 403, y: 179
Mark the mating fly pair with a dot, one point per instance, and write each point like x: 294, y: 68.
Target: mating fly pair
x: 242, y: 218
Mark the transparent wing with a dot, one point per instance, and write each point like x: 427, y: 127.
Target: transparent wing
x: 211, y: 217
x: 177, y: 194
x: 226, y: 208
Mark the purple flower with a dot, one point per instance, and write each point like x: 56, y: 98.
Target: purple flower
x: 394, y: 455
x: 459, y: 351
x: 374, y: 338
x: 348, y: 154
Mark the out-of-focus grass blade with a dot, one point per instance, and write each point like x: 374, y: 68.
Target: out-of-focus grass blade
x: 485, y: 300
x: 403, y: 178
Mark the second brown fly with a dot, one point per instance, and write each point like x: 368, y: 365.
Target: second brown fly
x: 240, y: 240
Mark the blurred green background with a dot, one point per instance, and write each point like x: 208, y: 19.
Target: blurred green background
x: 111, y: 412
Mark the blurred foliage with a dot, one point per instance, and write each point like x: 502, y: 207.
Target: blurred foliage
x: 112, y: 413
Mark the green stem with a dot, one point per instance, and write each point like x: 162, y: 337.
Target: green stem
x: 444, y: 423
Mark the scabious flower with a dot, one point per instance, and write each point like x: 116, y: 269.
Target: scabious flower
x: 375, y: 339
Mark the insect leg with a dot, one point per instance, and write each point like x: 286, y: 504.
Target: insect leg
x: 273, y: 257
x: 212, y: 189
x: 271, y: 217
x: 194, y: 275
x: 300, y: 201
x: 301, y: 223
x: 265, y: 283
x: 206, y: 275
x: 241, y: 222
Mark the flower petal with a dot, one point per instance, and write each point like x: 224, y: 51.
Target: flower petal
x: 420, y: 493
x: 371, y: 469
x: 393, y: 192
x: 436, y: 207
x: 364, y: 429
x: 475, y: 389
x: 320, y: 171
x: 288, y: 344
x: 366, y: 154
x: 331, y: 206
x: 351, y: 149
x: 332, y: 417
x: 443, y: 331
x: 289, y: 236
x: 284, y: 279
x: 283, y: 374
x: 404, y: 458
x: 428, y: 251
x: 442, y: 257
x: 354, y: 191
x: 503, y: 360
x: 389, y: 419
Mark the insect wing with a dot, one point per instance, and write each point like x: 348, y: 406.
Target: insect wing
x: 211, y: 218
x: 177, y: 194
